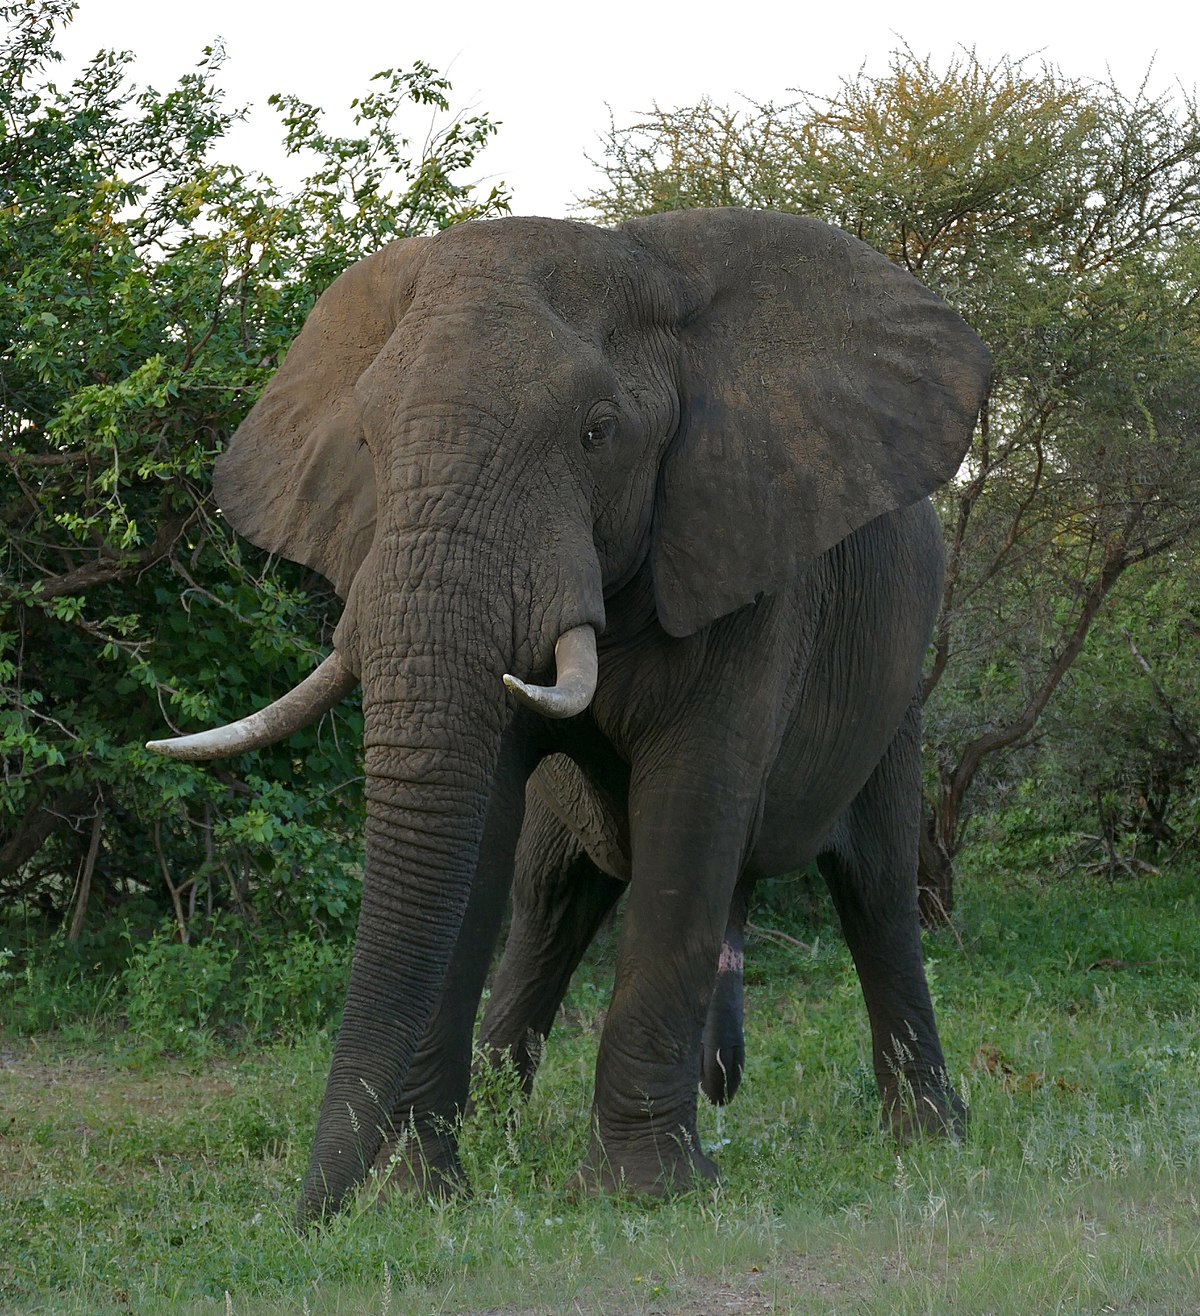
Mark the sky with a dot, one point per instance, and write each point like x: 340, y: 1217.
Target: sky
x: 553, y: 73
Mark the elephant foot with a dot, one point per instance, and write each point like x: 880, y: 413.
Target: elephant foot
x: 422, y: 1165
x: 923, y: 1108
x: 656, y: 1166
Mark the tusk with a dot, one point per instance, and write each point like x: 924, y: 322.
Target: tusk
x: 575, y: 661
x: 302, y: 705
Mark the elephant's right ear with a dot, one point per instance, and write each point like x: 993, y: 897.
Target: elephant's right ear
x: 297, y: 478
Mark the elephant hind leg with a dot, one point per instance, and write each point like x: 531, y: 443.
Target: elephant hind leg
x: 723, y: 1045
x: 871, y: 871
x: 560, y: 898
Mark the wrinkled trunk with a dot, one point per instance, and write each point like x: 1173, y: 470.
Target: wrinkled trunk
x: 429, y: 767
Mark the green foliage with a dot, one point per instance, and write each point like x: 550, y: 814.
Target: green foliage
x: 173, y: 990
x: 297, y: 985
x: 174, y: 996
x: 150, y: 291
x: 1062, y: 218
x: 1124, y: 753
x: 171, y: 997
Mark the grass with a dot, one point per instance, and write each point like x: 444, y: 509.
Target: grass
x: 1070, y: 1014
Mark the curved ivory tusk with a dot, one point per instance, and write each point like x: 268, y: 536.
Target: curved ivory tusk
x: 303, y: 704
x: 575, y: 661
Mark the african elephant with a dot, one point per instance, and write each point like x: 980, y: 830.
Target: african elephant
x: 683, y: 463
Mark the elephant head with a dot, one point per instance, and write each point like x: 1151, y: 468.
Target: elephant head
x: 479, y: 437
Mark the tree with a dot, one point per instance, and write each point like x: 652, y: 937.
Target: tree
x: 150, y: 292
x: 1062, y: 218
x: 1125, y: 725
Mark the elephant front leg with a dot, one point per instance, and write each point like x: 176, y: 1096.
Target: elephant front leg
x: 689, y: 841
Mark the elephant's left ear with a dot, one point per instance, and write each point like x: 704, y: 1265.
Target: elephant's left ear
x: 297, y: 478
x: 820, y: 387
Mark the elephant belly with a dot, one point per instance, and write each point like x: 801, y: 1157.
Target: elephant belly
x: 795, y: 829
x: 804, y: 802
x: 832, y: 746
x: 857, y: 681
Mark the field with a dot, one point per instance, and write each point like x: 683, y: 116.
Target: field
x: 138, y: 1179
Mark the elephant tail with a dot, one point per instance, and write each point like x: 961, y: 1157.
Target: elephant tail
x: 723, y: 1052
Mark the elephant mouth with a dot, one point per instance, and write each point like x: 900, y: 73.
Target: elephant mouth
x: 332, y: 681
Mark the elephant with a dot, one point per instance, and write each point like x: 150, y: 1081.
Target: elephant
x: 632, y: 523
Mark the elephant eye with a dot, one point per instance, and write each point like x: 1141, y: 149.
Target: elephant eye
x: 599, y: 431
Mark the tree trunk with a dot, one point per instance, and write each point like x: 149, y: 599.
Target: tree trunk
x: 935, y: 874
x: 40, y: 821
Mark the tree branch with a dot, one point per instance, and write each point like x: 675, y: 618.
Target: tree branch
x: 1187, y: 737
x: 111, y: 566
x: 1012, y: 732
x: 85, y: 877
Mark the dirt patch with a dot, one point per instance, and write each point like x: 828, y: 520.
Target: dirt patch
x: 755, y: 1293
x: 83, y: 1082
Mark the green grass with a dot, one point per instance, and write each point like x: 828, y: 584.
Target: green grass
x: 1070, y: 1014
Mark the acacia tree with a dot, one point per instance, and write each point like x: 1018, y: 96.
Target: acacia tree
x: 1062, y: 218
x: 150, y: 290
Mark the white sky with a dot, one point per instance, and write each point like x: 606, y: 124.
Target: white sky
x: 550, y: 71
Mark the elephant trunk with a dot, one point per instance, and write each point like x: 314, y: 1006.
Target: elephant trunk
x: 429, y: 771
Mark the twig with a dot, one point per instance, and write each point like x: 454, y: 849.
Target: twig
x: 773, y: 934
x: 176, y: 891
x: 1186, y: 736
x: 943, y: 914
x: 1105, y: 963
x: 85, y: 877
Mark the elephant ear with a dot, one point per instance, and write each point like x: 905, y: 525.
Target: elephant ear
x: 297, y: 478
x: 821, y: 386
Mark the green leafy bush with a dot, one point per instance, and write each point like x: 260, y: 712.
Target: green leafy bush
x: 151, y: 289
x: 295, y: 986
x: 172, y: 990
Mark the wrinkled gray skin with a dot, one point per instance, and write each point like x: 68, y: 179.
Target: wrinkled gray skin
x: 710, y: 435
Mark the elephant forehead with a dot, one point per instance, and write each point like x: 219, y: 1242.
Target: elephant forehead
x: 493, y: 351
x: 448, y: 377
x: 583, y: 274
x: 522, y: 245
